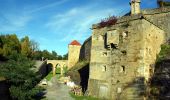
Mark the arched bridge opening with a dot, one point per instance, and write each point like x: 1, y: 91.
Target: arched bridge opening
x: 58, y: 65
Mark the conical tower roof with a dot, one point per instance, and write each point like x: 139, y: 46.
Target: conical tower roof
x: 75, y: 42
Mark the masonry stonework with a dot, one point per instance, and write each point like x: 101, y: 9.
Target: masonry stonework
x: 123, y: 56
x: 73, y: 53
x: 85, y: 51
x: 135, y: 6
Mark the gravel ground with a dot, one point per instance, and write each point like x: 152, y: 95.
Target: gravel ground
x: 57, y: 91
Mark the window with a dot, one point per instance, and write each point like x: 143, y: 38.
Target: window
x: 119, y: 90
x: 124, y: 52
x: 125, y: 34
x: 104, y: 54
x: 113, y: 46
x: 122, y: 69
x: 112, y: 37
x: 104, y: 68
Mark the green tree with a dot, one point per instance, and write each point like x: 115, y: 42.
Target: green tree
x: 60, y: 57
x: 25, y: 46
x: 163, y: 54
x: 11, y: 44
x: 54, y: 55
x: 65, y: 57
x: 34, y: 48
x: 18, y: 71
x: 46, y: 54
x: 1, y: 46
x: 37, y: 55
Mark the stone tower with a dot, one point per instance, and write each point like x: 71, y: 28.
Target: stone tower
x: 73, y: 53
x: 135, y: 7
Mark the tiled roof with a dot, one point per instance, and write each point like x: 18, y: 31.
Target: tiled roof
x: 74, y: 43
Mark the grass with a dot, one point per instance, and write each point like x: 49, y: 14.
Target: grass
x: 83, y: 97
x: 58, y: 71
x: 50, y: 75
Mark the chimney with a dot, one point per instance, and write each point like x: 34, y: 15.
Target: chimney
x: 135, y: 7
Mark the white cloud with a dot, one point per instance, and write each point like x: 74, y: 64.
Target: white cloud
x: 76, y: 23
x: 54, y: 4
x: 13, y: 22
x: 16, y: 20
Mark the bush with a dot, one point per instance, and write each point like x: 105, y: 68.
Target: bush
x: 165, y: 51
x: 23, y: 80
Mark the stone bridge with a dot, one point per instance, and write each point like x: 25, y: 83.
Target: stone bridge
x: 58, y: 63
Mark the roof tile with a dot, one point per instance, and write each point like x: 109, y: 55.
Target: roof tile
x: 75, y: 42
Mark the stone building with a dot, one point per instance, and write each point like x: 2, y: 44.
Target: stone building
x: 85, y: 50
x: 135, y: 6
x: 123, y: 54
x: 73, y: 53
x: 79, y: 73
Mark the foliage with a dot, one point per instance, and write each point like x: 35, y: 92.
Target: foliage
x: 54, y: 53
x: 50, y: 75
x: 17, y: 71
x: 18, y: 68
x: 37, y: 55
x: 58, y: 70
x: 47, y: 55
x: 34, y: 46
x: 9, y: 44
x: 60, y: 57
x: 25, y: 46
x: 165, y: 51
x: 107, y: 22
x: 65, y: 57
x: 65, y: 69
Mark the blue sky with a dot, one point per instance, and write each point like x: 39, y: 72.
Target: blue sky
x: 55, y: 23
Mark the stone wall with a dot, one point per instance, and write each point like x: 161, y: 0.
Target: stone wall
x: 85, y: 51
x: 121, y: 57
x: 73, y: 55
x: 160, y: 17
x: 43, y: 70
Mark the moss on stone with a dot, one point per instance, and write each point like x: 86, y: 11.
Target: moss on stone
x: 83, y: 97
x: 165, y: 51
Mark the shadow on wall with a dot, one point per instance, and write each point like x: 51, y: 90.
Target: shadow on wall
x: 85, y: 51
x: 45, y: 69
x: 80, y: 76
x: 160, y: 82
x: 84, y: 77
x: 49, y: 68
x: 135, y: 90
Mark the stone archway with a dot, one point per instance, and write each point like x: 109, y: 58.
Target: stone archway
x: 55, y: 63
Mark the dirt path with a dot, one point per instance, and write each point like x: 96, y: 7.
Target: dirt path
x: 57, y: 91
